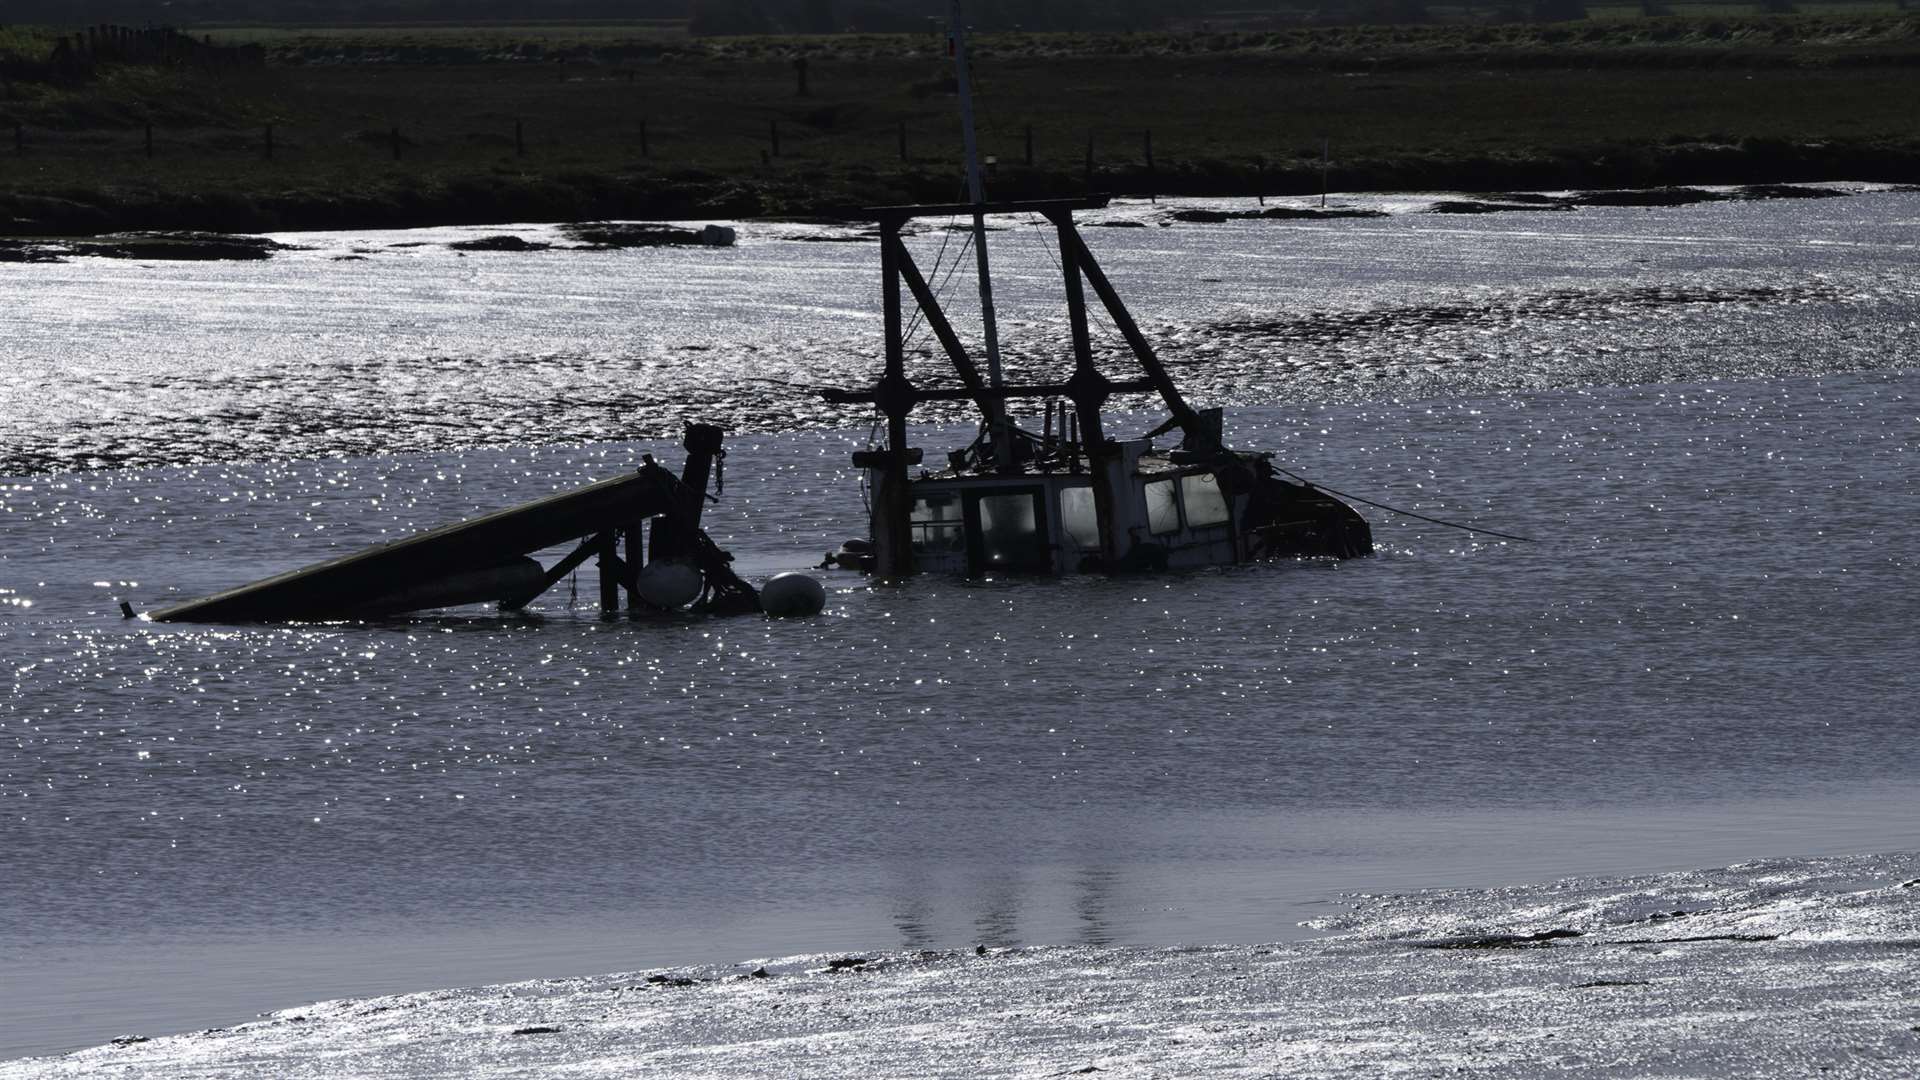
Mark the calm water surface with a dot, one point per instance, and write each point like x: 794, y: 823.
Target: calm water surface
x: 1706, y: 415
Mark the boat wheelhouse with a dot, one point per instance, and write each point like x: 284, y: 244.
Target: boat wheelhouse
x: 1171, y: 511
x: 1075, y: 501
x: 1068, y: 499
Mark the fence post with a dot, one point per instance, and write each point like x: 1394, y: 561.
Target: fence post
x: 1089, y: 160
x: 19, y: 138
x: 643, y: 138
x: 1029, y: 146
x: 149, y: 141
x: 903, y: 140
x: 773, y: 137
x: 1147, y: 145
x: 396, y: 144
x: 1324, y: 145
x: 519, y: 139
x: 266, y: 143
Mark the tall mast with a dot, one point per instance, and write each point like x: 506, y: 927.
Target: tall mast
x: 976, y: 194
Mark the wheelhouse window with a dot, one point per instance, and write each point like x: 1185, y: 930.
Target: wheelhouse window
x: 1163, y: 507
x: 1009, y: 529
x: 937, y: 525
x: 1079, y: 521
x: 1206, y: 503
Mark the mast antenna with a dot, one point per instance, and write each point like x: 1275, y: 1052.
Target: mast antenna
x: 976, y: 194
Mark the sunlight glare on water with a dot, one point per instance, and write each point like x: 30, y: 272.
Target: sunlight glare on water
x: 1707, y: 656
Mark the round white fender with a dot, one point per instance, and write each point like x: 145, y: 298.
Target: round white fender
x: 669, y: 584
x: 793, y: 594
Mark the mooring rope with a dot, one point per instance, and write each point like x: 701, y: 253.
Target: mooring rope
x: 1408, y: 513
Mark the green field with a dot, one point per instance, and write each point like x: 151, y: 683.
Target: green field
x: 1605, y: 102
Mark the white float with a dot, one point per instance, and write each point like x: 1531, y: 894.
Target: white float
x: 669, y: 584
x: 793, y: 594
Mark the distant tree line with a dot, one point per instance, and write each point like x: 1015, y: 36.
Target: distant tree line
x: 830, y: 16
x: 705, y: 16
x: 713, y: 16
x: 893, y: 16
x: 823, y: 16
x: 187, y: 12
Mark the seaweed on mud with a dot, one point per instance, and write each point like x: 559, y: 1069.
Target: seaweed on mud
x: 1461, y: 206
x: 167, y: 245
x: 1640, y: 197
x: 1673, y: 196
x: 1320, y: 327
x: 1542, y: 939
x: 1273, y: 213
x: 501, y: 242
x: 626, y: 234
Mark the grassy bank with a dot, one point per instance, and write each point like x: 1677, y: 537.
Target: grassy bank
x: 412, y: 125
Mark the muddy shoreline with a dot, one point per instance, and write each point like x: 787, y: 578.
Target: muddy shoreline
x: 1654, y: 975
x: 841, y: 193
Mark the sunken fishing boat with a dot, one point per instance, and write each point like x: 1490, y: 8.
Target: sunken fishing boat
x: 1068, y: 498
x: 642, y: 529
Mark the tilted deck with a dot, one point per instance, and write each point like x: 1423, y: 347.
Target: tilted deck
x: 350, y: 583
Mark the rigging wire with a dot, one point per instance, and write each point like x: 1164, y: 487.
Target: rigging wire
x: 1407, y: 513
x: 946, y: 236
x: 1039, y: 237
x: 958, y: 258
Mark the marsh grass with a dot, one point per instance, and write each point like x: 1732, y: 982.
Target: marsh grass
x: 1473, y: 107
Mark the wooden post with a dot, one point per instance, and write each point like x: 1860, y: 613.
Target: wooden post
x: 644, y: 152
x: 773, y: 137
x: 396, y: 144
x: 266, y: 143
x: 609, y: 574
x: 519, y: 139
x: 903, y: 140
x: 636, y: 535
x: 800, y: 71
x: 702, y: 444
x: 1323, y: 171
x: 676, y: 535
x: 1029, y: 146
x: 1147, y: 146
x: 891, y: 530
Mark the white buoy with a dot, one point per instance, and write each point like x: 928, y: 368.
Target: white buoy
x: 669, y: 584
x: 793, y: 594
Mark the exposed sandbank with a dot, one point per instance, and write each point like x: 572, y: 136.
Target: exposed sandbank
x: 1774, y: 968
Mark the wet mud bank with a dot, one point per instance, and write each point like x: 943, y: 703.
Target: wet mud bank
x: 1649, y: 975
x: 840, y: 191
x: 169, y: 246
